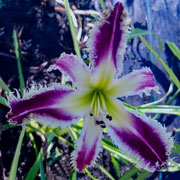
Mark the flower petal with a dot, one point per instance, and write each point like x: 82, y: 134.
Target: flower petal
x: 135, y: 83
x: 57, y: 105
x: 88, y: 144
x: 143, y: 139
x: 75, y: 68
x: 107, y: 40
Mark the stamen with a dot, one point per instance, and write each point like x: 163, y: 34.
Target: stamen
x: 91, y: 114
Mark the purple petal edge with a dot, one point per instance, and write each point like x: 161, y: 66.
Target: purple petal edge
x: 150, y: 143
x: 44, y: 104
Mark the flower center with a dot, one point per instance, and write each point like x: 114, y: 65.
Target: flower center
x: 98, y: 107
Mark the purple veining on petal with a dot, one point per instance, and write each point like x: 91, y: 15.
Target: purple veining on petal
x: 21, y: 109
x: 108, y: 37
x: 85, y: 155
x: 148, y: 144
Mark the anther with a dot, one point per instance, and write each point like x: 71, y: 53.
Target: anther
x: 97, y: 122
x: 109, y: 117
x: 101, y: 122
x: 103, y: 125
x: 91, y: 114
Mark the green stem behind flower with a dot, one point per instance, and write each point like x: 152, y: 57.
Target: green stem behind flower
x: 13, y: 170
x: 21, y: 78
x: 75, y: 42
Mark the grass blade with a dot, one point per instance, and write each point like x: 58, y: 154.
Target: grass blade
x: 35, y: 168
x: 128, y: 174
x: 3, y: 101
x: 75, y: 42
x: 143, y: 175
x: 137, y: 32
x: 43, y: 176
x: 104, y: 171
x: 16, y: 46
x: 116, y: 152
x: 4, y: 86
x: 174, y: 49
x: 89, y: 174
x: 163, y: 109
x: 116, y: 166
x: 73, y: 175
x: 13, y: 170
x: 103, y: 5
x: 8, y: 126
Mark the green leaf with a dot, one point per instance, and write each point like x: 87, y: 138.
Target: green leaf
x: 16, y: 46
x: 3, y: 101
x: 128, y: 174
x: 169, y: 71
x: 143, y: 175
x: 163, y: 109
x: 137, y: 32
x: 35, y: 168
x: 8, y: 126
x: 104, y: 171
x: 117, y: 152
x: 65, y: 141
x: 116, y: 166
x: 174, y: 49
x: 43, y: 176
x: 13, y: 170
x: 31, y: 137
x: 103, y: 5
x: 72, y: 134
x: 38, y: 164
x: 50, y: 138
x: 89, y: 174
x: 4, y: 86
x: 176, y: 148
x: 73, y: 175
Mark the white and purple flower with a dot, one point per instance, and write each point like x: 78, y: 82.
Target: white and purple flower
x: 95, y: 99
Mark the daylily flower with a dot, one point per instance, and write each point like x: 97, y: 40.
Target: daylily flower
x: 95, y: 98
